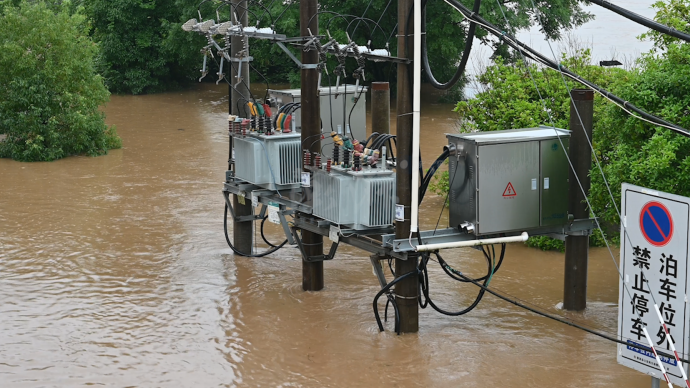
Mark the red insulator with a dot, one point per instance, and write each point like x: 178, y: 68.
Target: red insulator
x: 245, y: 126
x: 328, y: 165
x: 317, y: 160
x: 307, y: 158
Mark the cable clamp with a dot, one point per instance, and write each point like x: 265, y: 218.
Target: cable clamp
x: 404, y: 297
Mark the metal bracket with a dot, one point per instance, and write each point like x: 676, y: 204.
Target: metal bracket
x: 284, y: 224
x: 378, y: 269
x: 290, y: 54
x: 581, y: 227
x: 314, y: 259
x: 241, y: 59
x: 253, y: 217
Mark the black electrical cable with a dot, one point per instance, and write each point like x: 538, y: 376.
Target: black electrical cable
x: 366, y: 142
x: 449, y: 270
x: 265, y: 79
x: 330, y: 100
x: 432, y: 170
x: 535, y: 55
x: 349, y: 118
x: 392, y: 301
x: 289, y: 4
x: 465, y: 54
x: 263, y: 236
x: 310, y: 137
x: 359, y: 21
x: 385, y: 290
x: 227, y: 239
x: 378, y: 143
x: 425, y: 290
x: 267, y: 9
x: 639, y: 19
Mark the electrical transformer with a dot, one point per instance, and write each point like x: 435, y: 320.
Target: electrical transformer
x: 359, y: 200
x: 512, y: 180
x: 270, y: 161
x: 336, y: 104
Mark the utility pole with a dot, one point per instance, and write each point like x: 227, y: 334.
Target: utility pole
x: 242, y: 231
x: 312, y: 272
x: 405, y: 291
x: 380, y: 108
x: 577, y: 247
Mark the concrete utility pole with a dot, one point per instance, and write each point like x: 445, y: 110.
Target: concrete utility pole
x: 242, y: 231
x: 312, y: 273
x: 405, y: 291
x: 577, y: 247
x: 380, y: 108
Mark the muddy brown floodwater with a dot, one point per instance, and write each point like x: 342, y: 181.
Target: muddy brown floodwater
x: 114, y: 272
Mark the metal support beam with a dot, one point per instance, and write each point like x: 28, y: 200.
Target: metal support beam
x: 406, y: 290
x: 378, y: 269
x: 577, y: 247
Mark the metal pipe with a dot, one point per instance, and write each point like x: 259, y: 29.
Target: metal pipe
x: 472, y: 243
x: 416, y: 97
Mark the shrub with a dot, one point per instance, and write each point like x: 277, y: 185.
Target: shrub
x: 49, y: 90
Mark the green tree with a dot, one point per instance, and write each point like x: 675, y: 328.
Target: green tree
x: 629, y: 149
x: 143, y: 49
x: 49, y: 90
x: 633, y: 150
x: 446, y: 30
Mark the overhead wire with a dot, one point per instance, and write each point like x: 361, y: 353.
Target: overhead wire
x: 639, y: 19
x: 465, y: 54
x: 449, y: 270
x: 533, y: 54
x: 573, y: 169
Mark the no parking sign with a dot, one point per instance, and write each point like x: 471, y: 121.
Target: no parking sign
x: 654, y: 256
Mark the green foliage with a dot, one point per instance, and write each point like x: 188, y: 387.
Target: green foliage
x: 446, y: 31
x: 673, y: 13
x: 49, y: 90
x: 143, y: 48
x: 629, y: 149
x: 510, y: 99
x: 637, y: 152
x: 545, y: 243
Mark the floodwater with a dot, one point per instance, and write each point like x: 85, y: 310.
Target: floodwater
x: 114, y: 272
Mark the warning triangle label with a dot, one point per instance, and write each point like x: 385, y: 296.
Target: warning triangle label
x: 509, y: 191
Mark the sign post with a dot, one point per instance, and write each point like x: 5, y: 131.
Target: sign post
x: 654, y: 269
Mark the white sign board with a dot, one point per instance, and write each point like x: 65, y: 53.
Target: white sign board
x: 654, y: 247
x: 273, y: 209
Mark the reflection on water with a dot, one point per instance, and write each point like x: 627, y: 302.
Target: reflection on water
x: 114, y: 272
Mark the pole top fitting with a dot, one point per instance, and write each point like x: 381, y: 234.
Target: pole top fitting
x: 380, y: 86
x: 582, y: 94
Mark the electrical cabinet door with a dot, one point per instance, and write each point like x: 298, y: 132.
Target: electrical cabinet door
x: 554, y: 181
x: 508, y: 187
